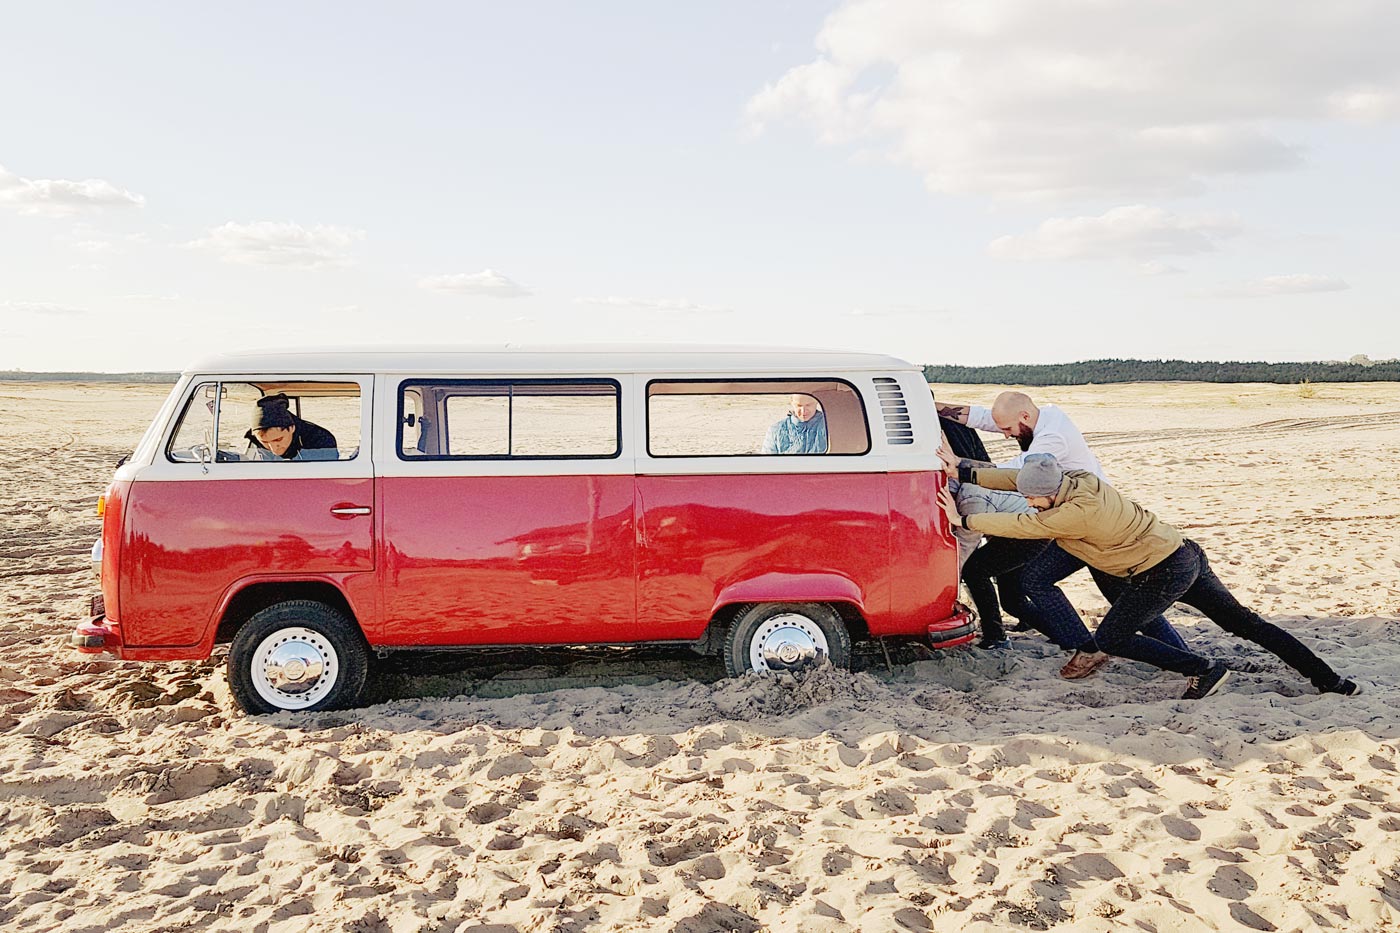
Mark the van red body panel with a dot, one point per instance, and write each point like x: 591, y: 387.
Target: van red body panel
x: 189, y: 544
x: 508, y: 560
x: 704, y: 534
x: 923, y: 555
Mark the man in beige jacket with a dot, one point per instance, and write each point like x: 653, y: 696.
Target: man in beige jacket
x: 1141, y: 563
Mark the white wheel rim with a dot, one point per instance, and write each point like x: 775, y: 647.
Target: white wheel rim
x: 787, y: 642
x: 294, y: 668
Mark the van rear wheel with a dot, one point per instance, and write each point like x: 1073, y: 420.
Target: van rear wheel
x: 772, y: 637
x: 298, y: 655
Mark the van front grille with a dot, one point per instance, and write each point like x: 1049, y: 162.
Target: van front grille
x: 895, y: 411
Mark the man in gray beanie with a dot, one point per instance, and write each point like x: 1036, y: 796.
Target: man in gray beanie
x: 1040, y: 476
x: 1142, y: 564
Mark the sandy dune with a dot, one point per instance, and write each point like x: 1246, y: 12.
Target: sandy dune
x: 608, y: 792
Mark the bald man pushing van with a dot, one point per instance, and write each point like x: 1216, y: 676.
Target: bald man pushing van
x: 1043, y: 429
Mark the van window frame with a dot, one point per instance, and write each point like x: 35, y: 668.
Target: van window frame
x: 409, y: 382
x: 177, y: 419
x: 864, y: 413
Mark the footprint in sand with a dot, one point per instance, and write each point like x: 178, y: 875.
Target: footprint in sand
x: 488, y: 812
x: 1181, y: 829
x: 949, y: 822
x: 884, y: 804
x: 835, y: 863
x: 1246, y: 917
x: 1232, y: 883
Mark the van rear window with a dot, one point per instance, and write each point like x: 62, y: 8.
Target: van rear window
x: 771, y: 417
x: 526, y: 419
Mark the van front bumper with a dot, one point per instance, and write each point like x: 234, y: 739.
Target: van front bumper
x: 958, y: 629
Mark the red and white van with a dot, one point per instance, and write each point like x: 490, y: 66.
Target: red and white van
x: 493, y: 497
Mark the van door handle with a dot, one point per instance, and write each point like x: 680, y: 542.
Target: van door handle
x: 345, y: 511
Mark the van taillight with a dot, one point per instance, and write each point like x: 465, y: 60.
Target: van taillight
x: 101, y: 505
x: 112, y: 504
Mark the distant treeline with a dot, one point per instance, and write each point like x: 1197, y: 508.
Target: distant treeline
x: 15, y: 375
x: 1092, y: 372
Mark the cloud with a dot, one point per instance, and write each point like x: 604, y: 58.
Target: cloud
x: 1131, y: 232
x: 1062, y: 99
x: 1157, y: 267
x: 1296, y: 284
x: 487, y: 283
x: 896, y: 312
x: 42, y: 308
x: 655, y: 305
x: 280, y: 244
x: 59, y: 197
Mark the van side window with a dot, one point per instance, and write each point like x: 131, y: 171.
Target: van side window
x: 749, y: 417
x: 271, y: 422
x: 493, y: 419
x: 193, y: 440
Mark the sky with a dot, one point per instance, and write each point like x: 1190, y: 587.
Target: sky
x: 972, y: 182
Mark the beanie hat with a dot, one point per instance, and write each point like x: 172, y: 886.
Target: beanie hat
x: 1040, y: 475
x: 272, y: 411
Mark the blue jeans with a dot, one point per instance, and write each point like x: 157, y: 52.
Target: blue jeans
x: 1186, y: 577
x: 1059, y: 620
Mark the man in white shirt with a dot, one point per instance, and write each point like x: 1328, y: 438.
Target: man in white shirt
x: 1037, y: 430
x: 1047, y: 430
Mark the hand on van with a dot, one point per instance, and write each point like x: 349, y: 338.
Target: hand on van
x: 950, y: 507
x: 950, y: 459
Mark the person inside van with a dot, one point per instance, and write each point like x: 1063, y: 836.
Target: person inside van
x: 275, y: 431
x: 801, y: 431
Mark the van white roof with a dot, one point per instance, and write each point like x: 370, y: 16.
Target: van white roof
x: 578, y: 358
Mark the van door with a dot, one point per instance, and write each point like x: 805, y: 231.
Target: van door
x: 507, y: 511
x: 217, y: 510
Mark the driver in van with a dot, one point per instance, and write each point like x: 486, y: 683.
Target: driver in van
x: 802, y: 430
x: 276, y: 431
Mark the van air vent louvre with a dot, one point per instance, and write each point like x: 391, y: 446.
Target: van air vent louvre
x: 898, y: 428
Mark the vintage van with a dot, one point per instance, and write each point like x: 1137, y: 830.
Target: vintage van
x: 770, y: 506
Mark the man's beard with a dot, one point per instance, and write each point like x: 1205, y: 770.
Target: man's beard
x: 1024, y: 438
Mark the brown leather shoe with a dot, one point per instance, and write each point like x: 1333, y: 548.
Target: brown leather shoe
x: 1083, y: 664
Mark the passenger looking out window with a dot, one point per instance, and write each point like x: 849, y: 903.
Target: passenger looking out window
x: 801, y: 431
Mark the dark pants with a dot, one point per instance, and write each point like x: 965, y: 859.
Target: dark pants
x: 1186, y: 577
x: 1000, y: 558
x: 1059, y: 621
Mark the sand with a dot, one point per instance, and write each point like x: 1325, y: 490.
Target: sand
x: 608, y: 791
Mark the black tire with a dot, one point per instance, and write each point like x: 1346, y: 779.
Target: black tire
x: 747, y: 625
x: 326, y: 636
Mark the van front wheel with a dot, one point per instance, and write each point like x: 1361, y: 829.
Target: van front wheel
x: 299, y: 655
x: 772, y: 637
